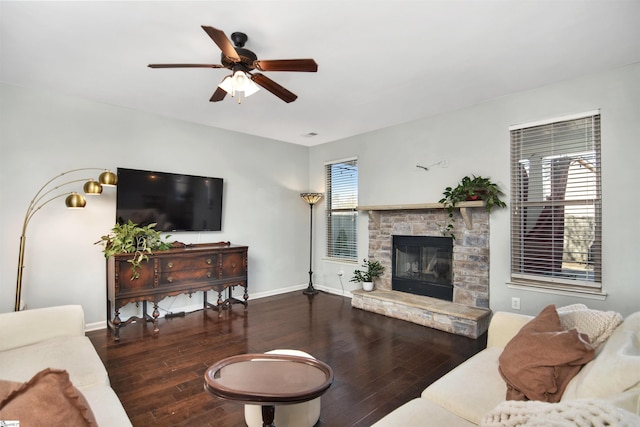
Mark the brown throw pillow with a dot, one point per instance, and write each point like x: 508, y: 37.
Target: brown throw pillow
x: 539, y: 362
x: 48, y: 398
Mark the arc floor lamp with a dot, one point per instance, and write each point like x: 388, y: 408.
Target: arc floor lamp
x: 312, y: 199
x: 73, y: 200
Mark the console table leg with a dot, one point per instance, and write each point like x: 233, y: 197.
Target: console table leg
x: 268, y: 414
x: 116, y: 325
x: 156, y: 314
x: 220, y: 303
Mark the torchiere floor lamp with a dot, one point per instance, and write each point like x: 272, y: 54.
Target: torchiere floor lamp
x: 312, y: 199
x: 73, y: 201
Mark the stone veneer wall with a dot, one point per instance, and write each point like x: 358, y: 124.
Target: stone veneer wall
x: 470, y: 248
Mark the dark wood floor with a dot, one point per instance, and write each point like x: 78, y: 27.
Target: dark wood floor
x: 379, y: 363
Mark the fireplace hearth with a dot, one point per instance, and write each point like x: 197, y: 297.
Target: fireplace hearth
x: 423, y: 265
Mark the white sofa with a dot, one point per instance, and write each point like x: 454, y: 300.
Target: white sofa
x: 474, y: 392
x: 33, y: 340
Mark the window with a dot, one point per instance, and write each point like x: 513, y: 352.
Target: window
x: 342, y: 199
x: 556, y: 204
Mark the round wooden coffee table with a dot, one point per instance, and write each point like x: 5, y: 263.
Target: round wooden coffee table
x: 268, y: 380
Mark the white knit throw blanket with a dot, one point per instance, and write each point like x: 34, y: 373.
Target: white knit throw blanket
x: 572, y: 413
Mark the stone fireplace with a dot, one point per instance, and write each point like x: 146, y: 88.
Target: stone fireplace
x: 464, y: 308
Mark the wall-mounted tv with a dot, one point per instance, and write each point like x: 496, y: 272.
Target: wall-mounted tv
x: 175, y: 202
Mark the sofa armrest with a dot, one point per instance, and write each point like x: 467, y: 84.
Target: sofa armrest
x: 504, y: 326
x: 21, y: 328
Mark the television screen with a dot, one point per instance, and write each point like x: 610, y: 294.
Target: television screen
x: 175, y: 202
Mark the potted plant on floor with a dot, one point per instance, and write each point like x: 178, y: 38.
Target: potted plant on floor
x: 470, y: 189
x: 130, y: 238
x: 372, y: 269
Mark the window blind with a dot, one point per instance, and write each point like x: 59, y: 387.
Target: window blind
x: 342, y: 200
x: 556, y: 208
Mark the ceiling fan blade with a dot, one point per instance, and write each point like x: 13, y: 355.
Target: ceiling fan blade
x: 274, y: 88
x: 218, y: 95
x: 186, y: 66
x: 308, y: 65
x: 223, y: 42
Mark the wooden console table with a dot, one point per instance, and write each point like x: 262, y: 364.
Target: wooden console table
x: 192, y: 268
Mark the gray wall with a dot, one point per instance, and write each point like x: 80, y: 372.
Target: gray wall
x: 45, y: 134
x: 475, y: 140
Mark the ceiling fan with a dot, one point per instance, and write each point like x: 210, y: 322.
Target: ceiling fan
x: 242, y: 62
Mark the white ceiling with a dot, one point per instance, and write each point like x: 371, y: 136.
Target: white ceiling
x: 381, y: 63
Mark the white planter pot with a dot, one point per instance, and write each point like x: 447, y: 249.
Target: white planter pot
x: 367, y: 286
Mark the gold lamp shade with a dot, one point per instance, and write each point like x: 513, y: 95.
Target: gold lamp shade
x: 92, y: 187
x: 108, y: 178
x: 311, y: 198
x: 75, y: 201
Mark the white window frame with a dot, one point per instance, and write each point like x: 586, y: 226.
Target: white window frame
x: 341, y: 204
x: 535, y: 148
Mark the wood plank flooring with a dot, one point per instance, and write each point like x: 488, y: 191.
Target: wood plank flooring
x: 379, y: 363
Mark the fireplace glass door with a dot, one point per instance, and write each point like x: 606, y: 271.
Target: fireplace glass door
x: 423, y: 265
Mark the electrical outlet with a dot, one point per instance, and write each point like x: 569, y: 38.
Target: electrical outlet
x: 515, y: 303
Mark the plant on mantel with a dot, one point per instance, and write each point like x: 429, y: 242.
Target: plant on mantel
x: 130, y: 238
x: 469, y: 189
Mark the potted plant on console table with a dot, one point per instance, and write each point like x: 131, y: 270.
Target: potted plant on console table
x: 470, y: 189
x: 372, y: 270
x: 130, y: 238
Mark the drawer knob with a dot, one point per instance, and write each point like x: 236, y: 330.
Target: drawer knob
x: 208, y: 274
x: 170, y: 265
x: 209, y: 261
x: 233, y: 265
x: 170, y: 279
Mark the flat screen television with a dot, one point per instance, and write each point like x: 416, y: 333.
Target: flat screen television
x: 174, y: 202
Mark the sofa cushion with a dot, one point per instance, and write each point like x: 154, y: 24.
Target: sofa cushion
x: 539, y: 362
x: 48, y: 398
x: 422, y: 412
x: 597, y: 324
x: 471, y: 389
x: 75, y: 354
x: 106, y: 406
x: 616, y: 369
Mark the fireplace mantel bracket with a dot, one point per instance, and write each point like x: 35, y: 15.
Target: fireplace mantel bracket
x: 463, y: 206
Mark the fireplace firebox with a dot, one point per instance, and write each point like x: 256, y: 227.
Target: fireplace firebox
x: 423, y: 265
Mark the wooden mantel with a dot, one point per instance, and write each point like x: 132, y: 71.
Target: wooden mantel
x: 466, y: 215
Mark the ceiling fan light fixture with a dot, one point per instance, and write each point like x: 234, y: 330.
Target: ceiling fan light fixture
x: 250, y: 88
x: 239, y: 82
x: 243, y: 83
x: 227, y: 85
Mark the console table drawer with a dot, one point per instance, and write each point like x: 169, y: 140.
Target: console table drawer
x: 233, y: 265
x: 180, y: 276
x: 178, y: 263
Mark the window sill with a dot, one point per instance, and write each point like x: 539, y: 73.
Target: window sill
x: 595, y: 294
x: 340, y: 261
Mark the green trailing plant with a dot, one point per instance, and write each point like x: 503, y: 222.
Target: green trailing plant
x: 469, y: 189
x: 130, y: 238
x: 372, y: 269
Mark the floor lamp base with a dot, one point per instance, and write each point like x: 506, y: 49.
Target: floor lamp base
x: 310, y: 290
